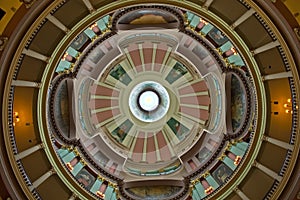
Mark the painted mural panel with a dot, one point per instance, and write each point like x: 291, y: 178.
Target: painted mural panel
x: 221, y: 173
x: 238, y: 103
x: 148, y: 17
x: 86, y: 178
x: 178, y: 71
x: 154, y: 192
x: 120, y: 74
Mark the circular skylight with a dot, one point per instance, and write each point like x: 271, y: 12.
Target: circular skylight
x: 149, y: 101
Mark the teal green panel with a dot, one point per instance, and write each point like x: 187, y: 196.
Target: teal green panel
x: 90, y: 33
x: 195, y: 21
x: 240, y: 63
x: 70, y: 156
x: 108, y: 193
x: 206, y: 28
x: 63, y: 65
x: 62, y: 152
x: 72, y: 52
x: 236, y: 151
x: 106, y: 19
x: 189, y: 16
x: 101, y: 24
x: 226, y: 46
x: 212, y: 182
x: 242, y: 145
x: 152, y: 172
x: 113, y: 196
x: 200, y: 190
x: 96, y: 186
x: 195, y: 195
x: 229, y: 163
x: 77, y: 168
x: 236, y: 60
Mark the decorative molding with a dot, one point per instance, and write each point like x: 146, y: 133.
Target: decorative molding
x: 28, y: 3
x: 297, y: 32
x: 3, y: 41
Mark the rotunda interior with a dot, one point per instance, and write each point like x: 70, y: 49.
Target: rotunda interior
x: 128, y: 99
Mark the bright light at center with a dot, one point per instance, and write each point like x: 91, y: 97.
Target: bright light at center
x: 149, y: 100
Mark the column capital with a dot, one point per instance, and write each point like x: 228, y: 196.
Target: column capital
x: 264, y: 138
x: 241, y: 194
x: 52, y: 171
x: 73, y: 196
x: 88, y: 4
x: 236, y: 189
x: 207, y: 3
x: 297, y: 32
x: 255, y: 163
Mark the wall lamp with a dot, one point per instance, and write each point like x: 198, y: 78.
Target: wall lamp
x: 16, y: 118
x: 288, y: 106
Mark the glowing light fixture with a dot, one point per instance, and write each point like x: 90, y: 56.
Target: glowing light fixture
x: 100, y: 194
x: 288, y: 106
x: 69, y: 166
x: 16, y: 118
x: 209, y: 190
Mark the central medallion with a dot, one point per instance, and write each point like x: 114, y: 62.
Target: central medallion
x: 149, y: 101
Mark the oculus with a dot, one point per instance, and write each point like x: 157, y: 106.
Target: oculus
x: 149, y: 101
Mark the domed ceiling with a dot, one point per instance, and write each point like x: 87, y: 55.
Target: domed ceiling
x: 151, y: 93
x: 151, y: 101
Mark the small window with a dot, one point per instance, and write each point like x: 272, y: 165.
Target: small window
x: 2, y: 13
